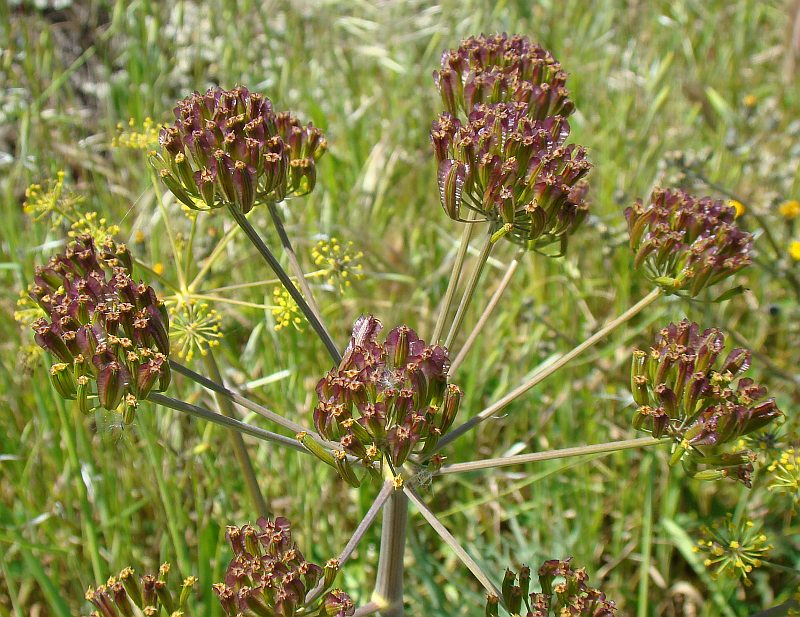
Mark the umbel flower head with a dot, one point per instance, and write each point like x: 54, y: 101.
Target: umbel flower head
x: 685, y: 244
x: 498, y: 69
x: 733, y: 549
x: 385, y: 399
x: 230, y: 147
x: 564, y: 593
x: 683, y: 392
x: 108, y: 334
x: 152, y: 595
x: 513, y: 171
x: 268, y: 576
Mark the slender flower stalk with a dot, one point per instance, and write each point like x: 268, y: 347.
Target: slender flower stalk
x: 239, y: 449
x: 472, y: 283
x: 545, y: 370
x: 536, y: 457
x: 388, y: 593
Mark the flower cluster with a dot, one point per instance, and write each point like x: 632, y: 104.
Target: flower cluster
x: 269, y: 576
x: 564, y: 593
x: 385, y: 399
x: 733, y: 549
x: 785, y: 472
x: 513, y: 171
x: 686, y: 244
x: 340, y: 262
x: 230, y: 147
x: 108, y: 333
x: 194, y: 328
x: 494, y: 69
x: 681, y: 393
x: 123, y: 594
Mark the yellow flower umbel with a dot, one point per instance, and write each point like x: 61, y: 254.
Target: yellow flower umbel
x: 789, y: 209
x: 785, y: 472
x: 794, y: 250
x: 135, y: 137
x: 733, y: 549
x: 50, y: 200
x: 339, y: 261
x: 95, y: 226
x: 194, y: 328
x: 285, y: 310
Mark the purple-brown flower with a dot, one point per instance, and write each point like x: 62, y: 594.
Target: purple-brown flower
x: 107, y: 333
x: 269, y: 576
x: 564, y: 592
x: 230, y: 147
x: 685, y: 244
x: 687, y: 391
x: 500, y: 69
x: 385, y: 399
x: 513, y: 171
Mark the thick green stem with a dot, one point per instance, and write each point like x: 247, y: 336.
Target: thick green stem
x: 226, y: 408
x: 388, y: 594
x: 472, y: 283
x: 535, y: 457
x: 487, y: 312
x: 545, y: 370
x: 294, y: 264
x: 253, y: 236
x: 452, y: 285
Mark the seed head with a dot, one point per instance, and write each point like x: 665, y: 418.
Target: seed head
x: 229, y: 146
x: 392, y: 397
x: 502, y: 69
x: 108, y: 334
x: 684, y: 392
x: 685, y: 244
x: 268, y: 575
x: 513, y: 171
x: 151, y: 594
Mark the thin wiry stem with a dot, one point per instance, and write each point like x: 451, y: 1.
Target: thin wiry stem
x: 472, y: 283
x: 388, y: 592
x: 358, y: 534
x: 545, y: 370
x: 247, y: 403
x: 448, y: 539
x: 230, y: 423
x: 452, y: 284
x: 487, y: 312
x: 294, y: 264
x: 535, y: 457
x: 240, y: 451
x: 212, y: 258
x: 253, y: 236
x: 170, y: 235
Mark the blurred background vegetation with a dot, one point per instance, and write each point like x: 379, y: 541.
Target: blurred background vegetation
x: 699, y: 93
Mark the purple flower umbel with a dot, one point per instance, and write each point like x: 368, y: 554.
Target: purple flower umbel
x: 386, y: 399
x: 498, y: 69
x: 108, y: 333
x: 268, y: 575
x: 513, y: 171
x: 684, y: 243
x: 230, y: 147
x: 683, y: 392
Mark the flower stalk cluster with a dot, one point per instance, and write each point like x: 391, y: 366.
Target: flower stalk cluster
x: 152, y: 595
x: 269, y: 577
x: 231, y: 147
x: 733, y: 549
x: 682, y: 392
x: 685, y: 244
x: 564, y: 593
x: 108, y: 333
x: 385, y: 400
x: 499, y: 68
x: 513, y: 171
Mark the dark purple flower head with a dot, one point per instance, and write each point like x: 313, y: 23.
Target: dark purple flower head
x: 513, y: 171
x: 108, y: 333
x: 268, y: 575
x: 687, y: 391
x: 498, y: 69
x: 564, y: 591
x: 685, y: 244
x: 389, y: 398
x: 229, y: 146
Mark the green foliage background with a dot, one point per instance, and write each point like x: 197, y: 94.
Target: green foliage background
x: 647, y: 78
